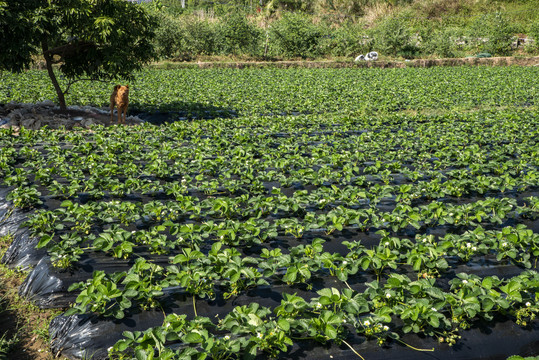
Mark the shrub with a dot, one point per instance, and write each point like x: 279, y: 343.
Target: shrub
x: 493, y: 34
x: 441, y: 42
x: 168, y: 37
x: 185, y: 37
x: 173, y: 7
x: 394, y: 38
x: 500, y: 35
x: 345, y: 7
x: 295, y: 35
x: 534, y: 33
x: 201, y: 37
x: 239, y: 35
x: 347, y: 40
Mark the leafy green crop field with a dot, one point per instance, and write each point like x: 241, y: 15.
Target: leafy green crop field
x: 307, y: 91
x: 345, y: 227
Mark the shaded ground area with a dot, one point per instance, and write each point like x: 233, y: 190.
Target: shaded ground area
x: 164, y: 117
x: 36, y: 116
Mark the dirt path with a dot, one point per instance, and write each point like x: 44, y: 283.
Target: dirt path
x: 472, y: 61
x: 23, y: 327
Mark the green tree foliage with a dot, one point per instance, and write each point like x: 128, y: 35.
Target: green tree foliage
x: 500, y: 35
x: 88, y: 39
x: 441, y: 42
x: 184, y: 38
x: 240, y: 36
x: 16, y: 35
x: 168, y: 37
x: 534, y: 33
x: 493, y: 33
x: 394, y: 38
x: 349, y: 39
x: 187, y: 37
x: 295, y: 35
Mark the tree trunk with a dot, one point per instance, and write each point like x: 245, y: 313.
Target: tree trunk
x: 48, y: 62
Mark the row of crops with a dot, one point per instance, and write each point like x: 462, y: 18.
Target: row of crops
x: 335, y: 232
x: 218, y: 92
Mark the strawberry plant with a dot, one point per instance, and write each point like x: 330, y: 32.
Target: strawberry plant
x: 370, y: 222
x: 378, y: 260
x: 101, y: 295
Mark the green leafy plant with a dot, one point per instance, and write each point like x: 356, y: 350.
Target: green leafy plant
x: 101, y: 295
x: 24, y: 197
x: 91, y: 39
x: 295, y: 35
x: 394, y: 38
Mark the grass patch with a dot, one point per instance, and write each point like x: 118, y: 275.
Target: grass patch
x: 24, y: 332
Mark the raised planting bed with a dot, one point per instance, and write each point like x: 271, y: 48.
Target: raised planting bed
x: 322, y: 235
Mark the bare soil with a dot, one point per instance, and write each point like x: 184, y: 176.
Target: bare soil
x: 471, y: 61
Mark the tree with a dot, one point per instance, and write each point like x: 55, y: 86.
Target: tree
x: 88, y: 39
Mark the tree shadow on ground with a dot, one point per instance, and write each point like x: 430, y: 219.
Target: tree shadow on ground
x: 180, y: 111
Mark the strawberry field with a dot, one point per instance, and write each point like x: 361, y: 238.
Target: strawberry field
x: 299, y: 213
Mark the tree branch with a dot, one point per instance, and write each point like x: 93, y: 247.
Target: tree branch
x: 70, y: 49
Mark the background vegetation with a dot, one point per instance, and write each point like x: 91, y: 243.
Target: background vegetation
x: 289, y: 29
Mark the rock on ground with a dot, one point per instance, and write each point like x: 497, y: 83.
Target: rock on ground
x: 46, y: 113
